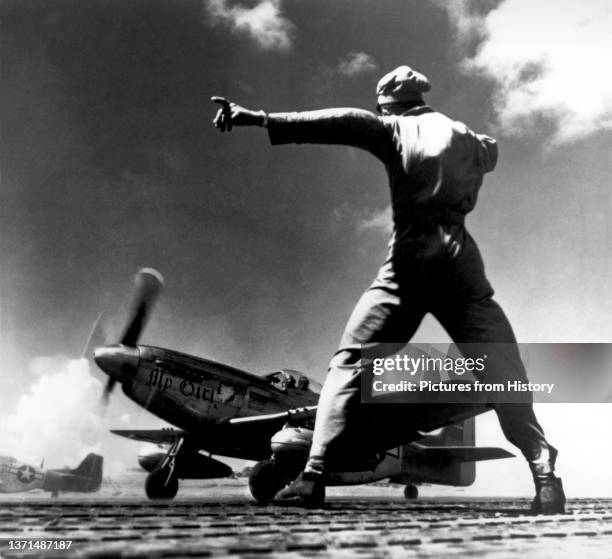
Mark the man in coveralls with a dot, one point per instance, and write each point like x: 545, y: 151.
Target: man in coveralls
x: 435, y: 167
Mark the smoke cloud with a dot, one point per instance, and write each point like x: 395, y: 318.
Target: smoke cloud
x: 549, y: 60
x: 58, y: 418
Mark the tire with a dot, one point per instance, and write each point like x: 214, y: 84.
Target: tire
x: 157, y: 485
x: 411, y: 492
x: 266, y: 480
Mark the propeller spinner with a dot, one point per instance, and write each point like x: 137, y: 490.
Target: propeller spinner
x: 121, y: 359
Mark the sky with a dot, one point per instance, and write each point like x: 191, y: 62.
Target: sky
x: 110, y: 163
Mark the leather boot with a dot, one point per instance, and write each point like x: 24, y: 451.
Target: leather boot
x: 307, y: 490
x: 550, y: 498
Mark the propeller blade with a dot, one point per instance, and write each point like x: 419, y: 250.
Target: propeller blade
x: 148, y: 284
x: 96, y: 338
x: 108, y: 389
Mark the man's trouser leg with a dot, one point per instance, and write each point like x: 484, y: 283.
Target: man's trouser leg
x: 483, y: 323
x: 462, y: 303
x: 481, y: 328
x: 381, y: 324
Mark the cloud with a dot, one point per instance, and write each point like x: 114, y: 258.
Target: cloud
x: 376, y: 220
x: 356, y: 63
x: 263, y: 22
x: 57, y: 419
x: 366, y: 219
x: 467, y: 17
x: 325, y: 80
x: 549, y: 60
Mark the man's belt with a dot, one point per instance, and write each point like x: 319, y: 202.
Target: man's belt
x: 428, y: 216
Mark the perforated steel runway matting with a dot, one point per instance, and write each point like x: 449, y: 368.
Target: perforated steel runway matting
x: 344, y: 528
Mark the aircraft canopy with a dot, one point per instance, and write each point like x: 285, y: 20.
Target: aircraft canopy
x: 288, y: 379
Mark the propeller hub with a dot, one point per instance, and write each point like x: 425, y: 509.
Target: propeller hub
x: 119, y: 362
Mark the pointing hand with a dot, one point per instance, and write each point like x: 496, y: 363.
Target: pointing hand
x: 230, y: 115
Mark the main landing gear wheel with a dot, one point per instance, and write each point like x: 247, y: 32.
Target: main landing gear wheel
x: 266, y: 480
x: 411, y: 492
x: 160, y: 484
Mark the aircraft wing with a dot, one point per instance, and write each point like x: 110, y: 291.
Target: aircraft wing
x: 249, y: 437
x: 155, y: 436
x: 239, y: 437
x: 161, y: 436
x: 298, y: 414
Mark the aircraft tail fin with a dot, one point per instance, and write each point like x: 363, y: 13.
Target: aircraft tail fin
x: 90, y: 469
x: 448, y: 455
x: 85, y: 478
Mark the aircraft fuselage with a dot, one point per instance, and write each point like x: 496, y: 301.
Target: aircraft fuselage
x: 16, y: 476
x: 195, y: 393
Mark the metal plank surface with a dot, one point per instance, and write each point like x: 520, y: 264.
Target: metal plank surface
x: 343, y: 528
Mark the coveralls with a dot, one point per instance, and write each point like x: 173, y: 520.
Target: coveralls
x: 435, y: 167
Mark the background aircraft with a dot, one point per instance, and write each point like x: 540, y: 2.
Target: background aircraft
x: 222, y: 410
x: 16, y: 476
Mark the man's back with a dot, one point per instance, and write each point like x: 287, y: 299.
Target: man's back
x: 434, y: 161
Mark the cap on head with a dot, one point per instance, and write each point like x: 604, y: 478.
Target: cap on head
x: 401, y: 85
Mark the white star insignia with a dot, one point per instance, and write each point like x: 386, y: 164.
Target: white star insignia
x: 26, y: 474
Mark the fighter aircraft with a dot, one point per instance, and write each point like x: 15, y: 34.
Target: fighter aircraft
x: 16, y: 476
x: 225, y: 411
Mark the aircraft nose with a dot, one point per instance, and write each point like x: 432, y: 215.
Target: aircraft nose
x: 117, y: 361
